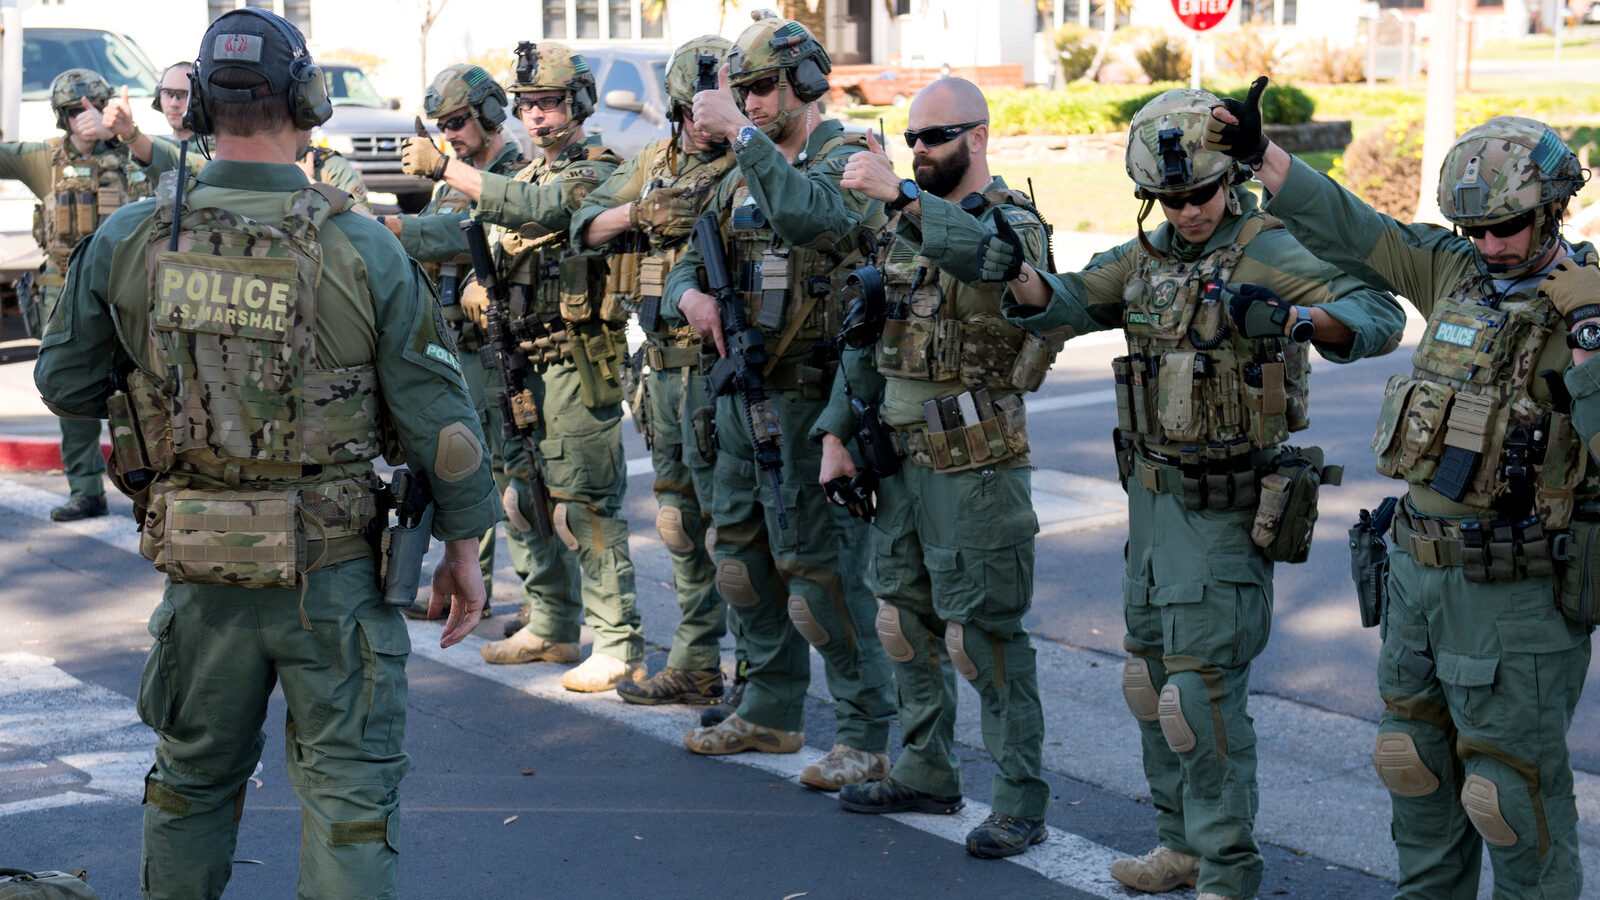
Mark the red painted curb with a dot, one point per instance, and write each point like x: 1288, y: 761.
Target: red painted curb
x: 35, y: 454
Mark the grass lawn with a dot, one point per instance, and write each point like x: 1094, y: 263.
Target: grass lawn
x: 1078, y: 196
x: 1583, y: 43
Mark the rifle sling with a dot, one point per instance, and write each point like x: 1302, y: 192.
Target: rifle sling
x: 787, y: 337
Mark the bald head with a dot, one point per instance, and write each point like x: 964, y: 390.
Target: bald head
x: 948, y: 101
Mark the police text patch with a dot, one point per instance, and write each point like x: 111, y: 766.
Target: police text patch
x: 443, y: 355
x: 1460, y: 335
x: 245, y: 297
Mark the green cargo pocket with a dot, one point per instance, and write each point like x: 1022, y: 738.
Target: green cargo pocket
x: 585, y: 466
x: 1471, y: 680
x: 385, y: 645
x: 158, y: 684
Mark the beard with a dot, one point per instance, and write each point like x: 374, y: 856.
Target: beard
x: 940, y: 177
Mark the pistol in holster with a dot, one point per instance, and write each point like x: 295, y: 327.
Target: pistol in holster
x: 402, y: 543
x: 1369, y: 560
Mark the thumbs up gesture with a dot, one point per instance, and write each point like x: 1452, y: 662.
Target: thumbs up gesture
x: 716, y: 112
x: 89, y: 125
x: 117, y: 117
x: 870, y: 173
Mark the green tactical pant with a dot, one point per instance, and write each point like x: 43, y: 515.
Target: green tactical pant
x: 1198, y: 604
x: 580, y: 456
x: 80, y: 438
x: 787, y: 586
x: 1483, y: 680
x: 685, y: 481
x: 957, y: 547
x: 218, y: 651
x: 483, y: 385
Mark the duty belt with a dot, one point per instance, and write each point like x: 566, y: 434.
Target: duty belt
x: 801, y: 376
x: 671, y: 356
x: 1206, y: 478
x: 1487, y: 550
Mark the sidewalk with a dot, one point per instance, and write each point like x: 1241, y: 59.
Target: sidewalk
x: 30, y: 438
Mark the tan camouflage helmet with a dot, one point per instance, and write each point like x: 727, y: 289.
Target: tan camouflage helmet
x: 683, y: 72
x: 70, y: 87
x: 1503, y: 168
x: 1166, y: 152
x: 556, y: 67
x: 465, y: 86
x: 775, y: 44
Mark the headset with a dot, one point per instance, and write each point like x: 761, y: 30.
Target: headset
x: 808, y: 77
x: 308, y: 92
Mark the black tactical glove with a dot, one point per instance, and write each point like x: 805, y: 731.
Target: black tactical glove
x: 1257, y: 312
x: 1243, y: 141
x: 857, y: 494
x: 1000, y: 254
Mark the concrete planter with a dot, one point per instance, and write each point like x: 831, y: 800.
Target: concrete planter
x: 1311, y: 136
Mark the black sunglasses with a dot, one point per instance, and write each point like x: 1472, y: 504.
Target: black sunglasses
x: 1500, y: 229
x: 1196, y: 197
x: 760, y: 87
x: 934, y: 135
x: 548, y: 104
x: 455, y: 124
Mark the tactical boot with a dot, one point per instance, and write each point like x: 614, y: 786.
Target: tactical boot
x: 81, y: 507
x: 1001, y: 835
x: 730, y: 700
x: 845, y: 765
x: 696, y: 687
x: 601, y: 672
x: 523, y: 614
x: 1162, y: 869
x: 735, y: 735
x: 890, y: 796
x: 526, y: 647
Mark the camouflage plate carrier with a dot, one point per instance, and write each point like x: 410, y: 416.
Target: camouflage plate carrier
x: 83, y: 191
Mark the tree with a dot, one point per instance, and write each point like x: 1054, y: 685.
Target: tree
x: 1109, y: 9
x: 430, y: 14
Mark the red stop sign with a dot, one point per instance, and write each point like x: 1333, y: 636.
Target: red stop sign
x: 1201, y: 14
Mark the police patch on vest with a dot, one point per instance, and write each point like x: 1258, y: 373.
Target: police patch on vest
x: 1460, y: 335
x: 1139, y: 318
x: 443, y: 355
x: 249, y: 297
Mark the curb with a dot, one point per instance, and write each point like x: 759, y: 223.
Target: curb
x: 20, y: 453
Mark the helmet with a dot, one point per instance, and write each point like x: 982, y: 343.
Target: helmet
x: 469, y: 86
x: 1166, y: 154
x: 70, y: 87
x: 266, y: 45
x: 1504, y: 168
x: 556, y: 67
x: 683, y: 72
x: 774, y: 45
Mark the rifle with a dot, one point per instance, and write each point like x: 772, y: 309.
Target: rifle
x: 502, y: 352
x: 747, y: 352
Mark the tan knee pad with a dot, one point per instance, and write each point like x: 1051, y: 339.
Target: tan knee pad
x: 513, y: 508
x: 1139, y: 690
x: 891, y: 637
x: 733, y: 583
x: 563, y: 530
x: 1174, y: 727
x: 669, y: 524
x: 1400, y: 767
x: 1481, y: 799
x: 805, y: 623
x: 955, y: 642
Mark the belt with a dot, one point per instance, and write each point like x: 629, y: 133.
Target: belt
x: 1487, y: 550
x: 662, y: 358
x: 1431, y: 542
x: 321, y: 554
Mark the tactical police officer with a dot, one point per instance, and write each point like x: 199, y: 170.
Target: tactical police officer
x: 1218, y: 306
x: 266, y: 347
x: 789, y: 566
x: 953, y: 542
x: 172, y: 98
x: 79, y: 178
x: 469, y: 107
x: 575, y: 330
x: 1480, y: 671
x: 657, y: 195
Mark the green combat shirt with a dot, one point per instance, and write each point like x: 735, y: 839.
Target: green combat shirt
x: 627, y: 183
x: 542, y: 197
x: 435, y: 236
x: 373, y: 307
x: 949, y: 237
x: 1091, y: 300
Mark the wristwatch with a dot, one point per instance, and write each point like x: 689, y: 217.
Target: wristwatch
x: 744, y: 137
x: 1587, y: 337
x: 909, y: 193
x: 1302, y: 329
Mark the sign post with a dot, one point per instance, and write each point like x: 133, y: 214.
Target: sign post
x: 1199, y: 16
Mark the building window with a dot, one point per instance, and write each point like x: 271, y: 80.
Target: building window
x: 298, y: 12
x: 654, y: 28
x: 259, y: 4
x: 1261, y: 12
x: 902, y: 7
x: 216, y: 8
x: 1402, y: 4
x: 621, y: 19
x: 555, y: 19
x: 588, y: 20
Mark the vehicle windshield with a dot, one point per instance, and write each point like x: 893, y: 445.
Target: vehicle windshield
x: 47, y: 52
x: 348, y: 86
x: 659, y: 69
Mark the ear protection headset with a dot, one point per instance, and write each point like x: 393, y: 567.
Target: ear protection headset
x: 308, y: 92
x: 155, y: 102
x: 808, y: 77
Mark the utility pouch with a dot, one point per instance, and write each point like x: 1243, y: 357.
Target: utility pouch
x: 705, y: 432
x: 1304, y: 473
x: 1124, y: 455
x: 652, y: 284
x: 774, y: 291
x: 597, y: 353
x: 1033, y: 360
x: 130, y: 468
x: 1270, y: 508
x: 86, y: 212
x: 1217, y: 476
x: 1577, y: 559
x: 1122, y: 377
x: 1190, y: 476
x: 233, y: 538
x: 1176, y: 408
x: 574, y: 277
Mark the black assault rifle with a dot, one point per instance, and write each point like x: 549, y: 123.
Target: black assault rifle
x: 747, y: 352
x: 503, y: 353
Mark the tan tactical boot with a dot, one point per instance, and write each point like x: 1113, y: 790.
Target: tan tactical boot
x: 1162, y: 869
x: 735, y: 735
x: 526, y: 647
x: 601, y: 672
x: 845, y: 765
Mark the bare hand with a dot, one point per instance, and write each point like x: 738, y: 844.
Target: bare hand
x: 700, y: 308
x: 458, y: 582
x: 89, y: 125
x: 871, y: 174
x: 118, y: 117
x: 836, y: 461
x: 716, y: 112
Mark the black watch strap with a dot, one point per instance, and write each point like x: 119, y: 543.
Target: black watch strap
x: 905, y: 198
x: 1586, y: 311
x: 1303, y: 328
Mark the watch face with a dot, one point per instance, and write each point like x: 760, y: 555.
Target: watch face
x: 1587, y: 337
